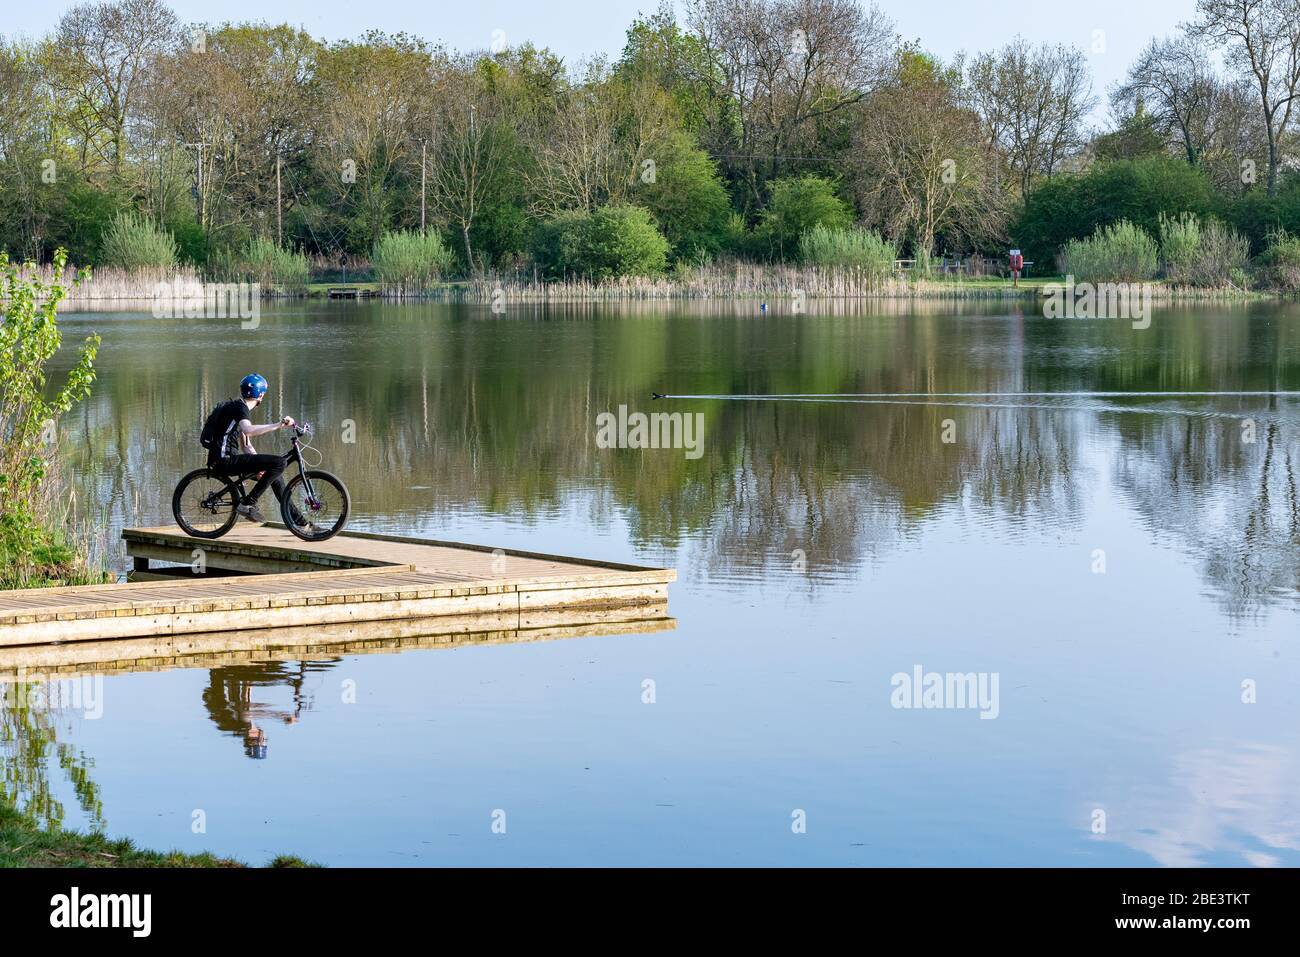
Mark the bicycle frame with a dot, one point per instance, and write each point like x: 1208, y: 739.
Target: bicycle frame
x: 293, y: 455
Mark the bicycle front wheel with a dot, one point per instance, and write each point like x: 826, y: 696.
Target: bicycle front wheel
x: 315, y: 506
x: 204, y: 504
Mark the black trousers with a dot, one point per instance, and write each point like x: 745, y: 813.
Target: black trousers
x: 272, y: 465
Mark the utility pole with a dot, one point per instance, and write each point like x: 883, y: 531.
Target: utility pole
x: 198, y: 178
x: 423, y: 148
x: 279, y: 208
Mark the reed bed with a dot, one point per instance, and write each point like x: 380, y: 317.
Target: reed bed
x: 729, y: 281
x: 109, y: 283
x: 738, y: 280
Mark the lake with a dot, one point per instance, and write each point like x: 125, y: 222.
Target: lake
x: 1119, y: 574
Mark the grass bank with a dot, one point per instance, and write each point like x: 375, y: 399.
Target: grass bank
x: 22, y: 844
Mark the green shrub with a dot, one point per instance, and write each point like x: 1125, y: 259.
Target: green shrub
x: 1121, y: 252
x: 857, y: 247
x: 1279, y: 266
x: 798, y: 204
x: 1259, y: 216
x: 411, y: 261
x: 191, y: 241
x: 82, y: 218
x: 1072, y: 206
x: 612, y: 241
x: 133, y: 242
x: 558, y: 243
x: 624, y: 241
x: 1209, y: 256
x: 1221, y: 259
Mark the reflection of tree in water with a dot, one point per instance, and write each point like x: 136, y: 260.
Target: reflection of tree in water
x: 231, y: 698
x: 459, y: 412
x: 28, y: 739
x: 839, y: 482
x: 1233, y: 505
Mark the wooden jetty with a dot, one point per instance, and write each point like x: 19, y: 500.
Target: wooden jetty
x: 219, y: 649
x: 350, y: 292
x: 279, y: 581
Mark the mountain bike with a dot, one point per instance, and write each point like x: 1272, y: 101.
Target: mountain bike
x: 315, y: 504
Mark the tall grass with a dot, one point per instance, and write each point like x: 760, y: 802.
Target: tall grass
x: 1120, y: 252
x: 106, y: 283
x: 729, y: 279
x: 272, y: 266
x: 864, y: 249
x: 132, y: 242
x: 1180, y: 244
x: 408, y: 263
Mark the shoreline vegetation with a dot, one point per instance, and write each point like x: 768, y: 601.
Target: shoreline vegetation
x: 706, y: 159
x: 24, y: 844
x: 738, y: 282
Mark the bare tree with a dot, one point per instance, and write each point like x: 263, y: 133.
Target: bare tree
x: 788, y: 64
x: 1175, y: 83
x: 926, y: 169
x: 246, y: 96
x: 470, y: 145
x: 373, y: 95
x: 1238, y: 131
x: 1262, y: 40
x: 24, y: 116
x: 1034, y: 102
x: 592, y: 148
x: 97, y: 61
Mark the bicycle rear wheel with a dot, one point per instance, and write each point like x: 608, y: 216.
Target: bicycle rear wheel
x: 317, y: 514
x: 204, y: 504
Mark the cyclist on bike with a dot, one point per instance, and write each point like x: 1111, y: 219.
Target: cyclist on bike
x: 231, y: 452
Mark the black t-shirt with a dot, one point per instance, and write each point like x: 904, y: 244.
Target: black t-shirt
x: 227, y: 417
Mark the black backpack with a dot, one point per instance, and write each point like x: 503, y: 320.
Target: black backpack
x: 210, y: 438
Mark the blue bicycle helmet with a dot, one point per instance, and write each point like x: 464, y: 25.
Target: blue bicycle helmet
x: 252, y: 386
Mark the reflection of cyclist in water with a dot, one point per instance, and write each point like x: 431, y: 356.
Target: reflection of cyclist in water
x: 229, y: 698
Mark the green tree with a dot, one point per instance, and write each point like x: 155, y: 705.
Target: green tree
x: 798, y: 204
x: 608, y: 242
x: 686, y: 196
x: 29, y: 411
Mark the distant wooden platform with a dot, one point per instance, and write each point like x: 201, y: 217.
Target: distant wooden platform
x: 353, y: 577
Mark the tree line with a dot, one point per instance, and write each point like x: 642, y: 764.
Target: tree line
x: 732, y: 129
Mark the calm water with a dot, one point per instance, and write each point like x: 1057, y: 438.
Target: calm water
x: 1120, y: 566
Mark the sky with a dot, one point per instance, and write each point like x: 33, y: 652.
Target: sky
x: 1112, y: 32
